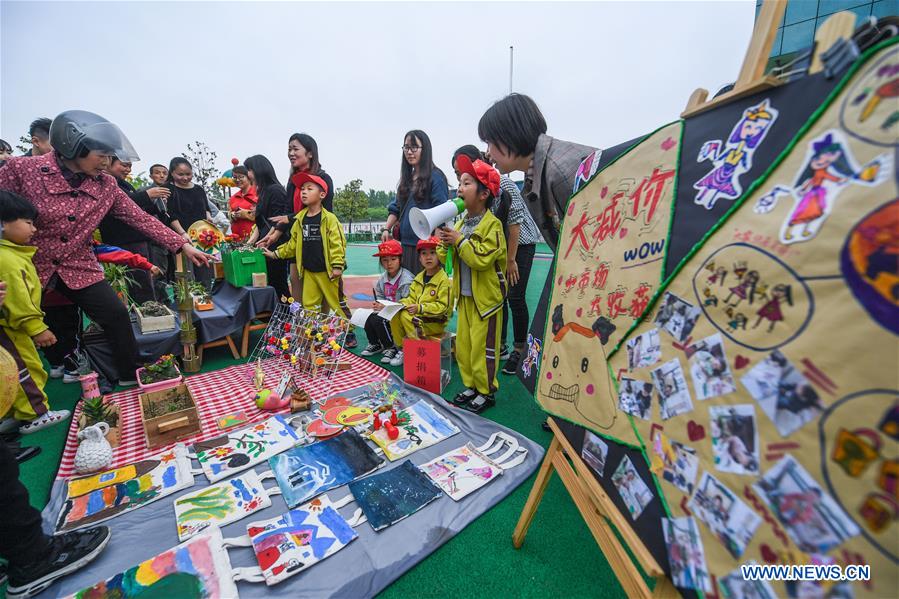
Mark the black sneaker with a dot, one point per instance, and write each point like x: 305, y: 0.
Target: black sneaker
x: 69, y: 552
x: 350, y: 342
x: 372, y: 349
x: 504, y: 352
x: 23, y: 454
x: 511, y: 366
x: 464, y: 397
x: 480, y: 403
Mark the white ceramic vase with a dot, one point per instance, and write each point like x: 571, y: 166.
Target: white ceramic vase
x: 94, y: 451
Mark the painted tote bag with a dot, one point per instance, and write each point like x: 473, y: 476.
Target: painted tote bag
x: 236, y: 451
x: 388, y: 497
x: 420, y: 426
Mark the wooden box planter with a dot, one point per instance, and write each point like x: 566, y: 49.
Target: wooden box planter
x: 113, y: 435
x: 202, y: 305
x: 155, y: 324
x: 168, y: 427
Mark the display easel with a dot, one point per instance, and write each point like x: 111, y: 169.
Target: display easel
x: 602, y: 518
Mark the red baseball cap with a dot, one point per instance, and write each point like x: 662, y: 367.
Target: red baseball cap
x: 481, y: 171
x: 299, y: 178
x: 391, y: 247
x: 430, y: 243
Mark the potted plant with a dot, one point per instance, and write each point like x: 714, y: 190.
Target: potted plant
x: 119, y: 280
x: 168, y: 415
x: 97, y: 410
x: 161, y: 374
x: 86, y: 376
x: 201, y: 295
x: 153, y: 317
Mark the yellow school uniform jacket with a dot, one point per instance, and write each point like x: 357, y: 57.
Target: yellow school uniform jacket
x: 432, y: 298
x: 21, y: 311
x: 484, y: 251
x: 333, y: 242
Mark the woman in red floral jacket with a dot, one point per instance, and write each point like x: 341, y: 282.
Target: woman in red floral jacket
x: 72, y: 194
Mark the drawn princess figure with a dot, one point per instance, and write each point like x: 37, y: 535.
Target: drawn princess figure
x: 829, y: 168
x: 733, y: 158
x: 717, y: 276
x: 771, y: 310
x: 745, y: 289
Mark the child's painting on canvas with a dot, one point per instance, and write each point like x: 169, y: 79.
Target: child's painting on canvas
x: 220, y: 504
x: 236, y: 451
x: 388, y: 497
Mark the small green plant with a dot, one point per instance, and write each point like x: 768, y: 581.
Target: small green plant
x: 175, y: 401
x: 199, y: 292
x: 151, y: 308
x: 162, y: 369
x: 96, y: 410
x: 119, y: 280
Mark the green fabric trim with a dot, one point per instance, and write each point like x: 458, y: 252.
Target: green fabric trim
x: 836, y: 91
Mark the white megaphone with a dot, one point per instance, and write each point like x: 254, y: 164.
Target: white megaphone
x: 425, y: 221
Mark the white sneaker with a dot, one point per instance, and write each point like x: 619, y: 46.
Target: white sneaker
x: 397, y: 359
x: 56, y: 372
x: 70, y: 376
x: 389, y: 354
x: 49, y: 419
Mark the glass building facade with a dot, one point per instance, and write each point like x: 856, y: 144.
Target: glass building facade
x: 803, y: 17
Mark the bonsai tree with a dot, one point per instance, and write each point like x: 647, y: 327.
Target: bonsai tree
x: 162, y: 369
x: 96, y: 411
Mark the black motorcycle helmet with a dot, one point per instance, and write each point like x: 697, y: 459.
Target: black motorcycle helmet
x: 74, y: 133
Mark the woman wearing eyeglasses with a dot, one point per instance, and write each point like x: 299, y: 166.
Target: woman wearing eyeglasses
x: 242, y: 204
x: 422, y: 185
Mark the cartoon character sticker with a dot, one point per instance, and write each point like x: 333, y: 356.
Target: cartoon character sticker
x: 733, y: 158
x: 576, y: 361
x: 829, y: 168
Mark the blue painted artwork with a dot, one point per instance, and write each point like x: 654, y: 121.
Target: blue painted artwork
x: 305, y: 472
x: 388, y: 497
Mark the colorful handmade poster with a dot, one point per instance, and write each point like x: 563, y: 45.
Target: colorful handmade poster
x: 634, y: 492
x: 735, y: 438
x: 97, y: 497
x: 389, y: 496
x: 221, y: 504
x: 734, y: 586
x: 466, y: 469
x: 674, y: 461
x: 729, y: 519
x: 299, y: 539
x: 674, y: 396
x: 196, y: 569
x: 709, y: 370
x: 595, y: 451
x: 685, y: 554
x: 812, y: 518
x: 784, y: 394
x: 420, y: 425
x: 236, y: 451
x: 307, y: 471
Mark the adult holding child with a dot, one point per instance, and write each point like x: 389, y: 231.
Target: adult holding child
x: 422, y: 185
x: 72, y: 195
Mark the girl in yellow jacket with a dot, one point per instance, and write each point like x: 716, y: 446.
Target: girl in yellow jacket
x: 428, y: 305
x: 479, y: 283
x: 319, y: 248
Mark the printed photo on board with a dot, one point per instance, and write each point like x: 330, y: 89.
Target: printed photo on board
x: 673, y: 461
x: 634, y: 492
x: 784, y: 394
x: 677, y: 317
x: 735, y: 438
x: 811, y: 517
x: 594, y: 452
x: 635, y: 397
x: 730, y: 520
x: 644, y: 350
x: 709, y: 370
x: 674, y: 397
x: 685, y: 554
x: 734, y: 586
x: 805, y: 589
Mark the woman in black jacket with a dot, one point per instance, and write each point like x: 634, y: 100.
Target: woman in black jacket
x: 273, y: 202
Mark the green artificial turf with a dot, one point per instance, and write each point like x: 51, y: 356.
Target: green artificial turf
x: 559, y: 556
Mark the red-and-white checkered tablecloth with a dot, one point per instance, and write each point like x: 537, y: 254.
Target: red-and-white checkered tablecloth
x: 217, y: 393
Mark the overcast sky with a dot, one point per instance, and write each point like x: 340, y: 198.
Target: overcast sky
x: 243, y: 76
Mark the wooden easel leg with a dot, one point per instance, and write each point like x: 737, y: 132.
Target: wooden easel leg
x: 664, y: 589
x: 530, y: 507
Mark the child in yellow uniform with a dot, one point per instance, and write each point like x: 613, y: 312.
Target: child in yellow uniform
x: 479, y: 283
x: 319, y: 248
x: 428, y: 306
x: 22, y: 328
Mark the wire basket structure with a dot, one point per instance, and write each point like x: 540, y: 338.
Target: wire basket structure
x: 306, y: 343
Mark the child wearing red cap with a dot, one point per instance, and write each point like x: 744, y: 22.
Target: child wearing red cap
x: 393, y: 285
x: 318, y: 245
x: 428, y: 305
x: 479, y: 283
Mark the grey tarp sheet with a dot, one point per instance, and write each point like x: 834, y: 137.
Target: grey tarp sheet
x: 362, y: 569
x: 234, y: 307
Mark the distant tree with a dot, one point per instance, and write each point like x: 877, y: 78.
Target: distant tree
x: 380, y: 198
x: 351, y: 203
x: 377, y: 212
x: 202, y: 160
x: 24, y: 144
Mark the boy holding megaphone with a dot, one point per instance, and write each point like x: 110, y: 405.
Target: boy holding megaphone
x: 479, y: 283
